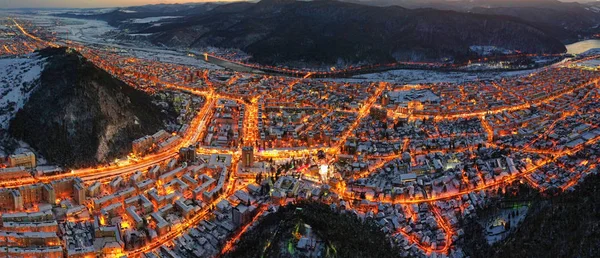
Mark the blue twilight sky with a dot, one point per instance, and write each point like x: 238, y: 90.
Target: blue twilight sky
x: 110, y: 3
x: 87, y: 3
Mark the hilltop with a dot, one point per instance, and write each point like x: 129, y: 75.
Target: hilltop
x: 339, y: 234
x: 563, y: 225
x: 80, y: 115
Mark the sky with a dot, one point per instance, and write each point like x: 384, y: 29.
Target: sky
x: 87, y: 3
x: 110, y: 3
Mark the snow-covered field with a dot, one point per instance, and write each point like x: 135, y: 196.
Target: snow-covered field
x: 85, y: 31
x: 591, y: 52
x: 583, y: 46
x: 18, y: 78
x: 506, y: 220
x: 78, y: 30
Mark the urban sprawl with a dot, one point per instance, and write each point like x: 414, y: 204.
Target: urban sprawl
x: 415, y: 158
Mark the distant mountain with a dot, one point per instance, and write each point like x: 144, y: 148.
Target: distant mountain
x: 456, y: 4
x: 565, y: 21
x: 120, y: 16
x: 80, y: 115
x: 330, y: 32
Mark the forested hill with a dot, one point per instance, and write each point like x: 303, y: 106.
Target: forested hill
x: 566, y: 225
x: 80, y: 115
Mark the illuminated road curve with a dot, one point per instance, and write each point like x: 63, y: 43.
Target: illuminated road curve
x: 32, y: 36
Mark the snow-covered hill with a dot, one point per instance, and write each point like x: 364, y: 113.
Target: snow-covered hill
x: 18, y: 78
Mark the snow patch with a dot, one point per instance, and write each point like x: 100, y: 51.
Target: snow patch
x: 591, y: 52
x: 18, y: 78
x: 153, y: 19
x: 489, y: 50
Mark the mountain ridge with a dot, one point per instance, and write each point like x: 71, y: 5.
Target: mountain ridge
x: 330, y: 32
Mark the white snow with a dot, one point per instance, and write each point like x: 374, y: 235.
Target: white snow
x: 18, y: 78
x: 590, y: 64
x: 141, y: 34
x: 488, y: 50
x: 591, y: 52
x: 78, y: 30
x: 93, y: 33
x: 582, y: 46
x: 428, y: 76
x: 594, y: 9
x: 424, y: 95
x: 495, y: 230
x: 153, y: 19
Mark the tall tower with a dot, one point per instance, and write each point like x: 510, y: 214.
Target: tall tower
x: 385, y: 99
x: 248, y: 156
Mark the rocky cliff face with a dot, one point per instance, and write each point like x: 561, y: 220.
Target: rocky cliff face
x: 327, y: 32
x: 80, y: 115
